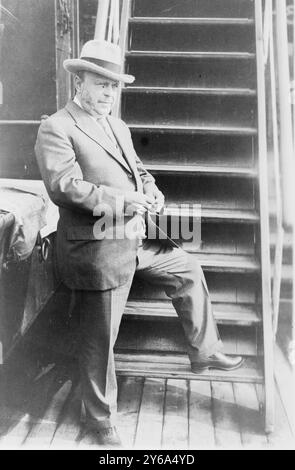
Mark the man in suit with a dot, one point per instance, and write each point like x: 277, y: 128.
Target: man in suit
x: 91, y: 171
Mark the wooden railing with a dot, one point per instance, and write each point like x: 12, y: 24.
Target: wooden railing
x: 111, y: 20
x: 267, y: 307
x: 112, y: 25
x: 278, y: 74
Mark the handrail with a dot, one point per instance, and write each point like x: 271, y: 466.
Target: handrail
x: 264, y: 226
x: 107, y: 24
x: 283, y: 139
x: 277, y: 273
x: 112, y: 25
x: 292, y: 343
x: 267, y: 28
x: 286, y: 127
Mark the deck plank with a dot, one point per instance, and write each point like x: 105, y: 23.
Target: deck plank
x: 27, y: 399
x: 150, y: 421
x: 68, y: 430
x: 42, y: 432
x: 250, y: 419
x: 282, y: 437
x: 225, y: 416
x: 175, y: 427
x: 130, y: 391
x: 201, y: 428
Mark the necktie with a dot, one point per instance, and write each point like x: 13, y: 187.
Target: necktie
x: 139, y: 222
x: 103, y: 123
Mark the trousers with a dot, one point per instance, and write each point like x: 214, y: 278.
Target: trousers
x: 182, y: 278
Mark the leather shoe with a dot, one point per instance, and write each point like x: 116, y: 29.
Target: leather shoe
x: 218, y: 361
x: 108, y: 438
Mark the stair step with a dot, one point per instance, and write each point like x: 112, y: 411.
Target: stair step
x: 191, y: 54
x: 192, y: 72
x: 224, y: 288
x: 197, y: 91
x: 168, y: 337
x: 225, y: 314
x: 230, y: 216
x: 196, y: 150
x: 209, y: 191
x: 178, y: 367
x: 189, y: 109
x: 193, y: 8
x: 190, y: 21
x: 224, y: 262
x: 202, y: 169
x: 212, y: 237
x: 219, y: 215
x: 219, y: 130
x: 191, y: 37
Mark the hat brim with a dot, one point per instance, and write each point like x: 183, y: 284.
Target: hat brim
x: 76, y: 65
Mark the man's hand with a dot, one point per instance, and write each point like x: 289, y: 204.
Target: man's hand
x: 137, y: 202
x: 158, y: 197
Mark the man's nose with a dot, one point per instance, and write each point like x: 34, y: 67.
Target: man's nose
x: 108, y: 90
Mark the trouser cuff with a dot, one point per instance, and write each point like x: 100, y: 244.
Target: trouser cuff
x: 196, y: 355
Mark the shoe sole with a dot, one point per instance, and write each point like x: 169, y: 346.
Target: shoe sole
x: 227, y: 369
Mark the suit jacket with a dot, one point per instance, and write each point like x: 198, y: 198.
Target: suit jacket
x: 83, y: 170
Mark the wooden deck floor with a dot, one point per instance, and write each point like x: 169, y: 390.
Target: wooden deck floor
x: 40, y: 408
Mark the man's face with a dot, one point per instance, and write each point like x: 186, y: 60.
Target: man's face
x: 97, y: 94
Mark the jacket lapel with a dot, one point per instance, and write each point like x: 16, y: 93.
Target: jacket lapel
x: 123, y: 142
x: 87, y: 125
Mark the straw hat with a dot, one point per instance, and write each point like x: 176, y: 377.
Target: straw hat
x: 101, y: 57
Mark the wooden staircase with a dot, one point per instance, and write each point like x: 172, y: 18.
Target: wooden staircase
x: 197, y: 123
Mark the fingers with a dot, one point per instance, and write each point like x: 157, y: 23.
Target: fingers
x: 149, y: 199
x: 139, y: 209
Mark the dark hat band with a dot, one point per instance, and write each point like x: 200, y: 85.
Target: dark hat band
x: 103, y: 63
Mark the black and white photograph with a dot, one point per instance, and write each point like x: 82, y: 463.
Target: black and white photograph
x: 147, y: 227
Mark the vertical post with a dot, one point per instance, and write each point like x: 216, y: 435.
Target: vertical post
x: 125, y: 13
x: 264, y: 226
x: 116, y: 33
x: 286, y: 131
x: 292, y: 345
x: 1, y: 36
x: 111, y: 21
x: 101, y: 19
x: 278, y: 261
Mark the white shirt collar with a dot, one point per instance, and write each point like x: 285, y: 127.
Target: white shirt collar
x: 78, y: 102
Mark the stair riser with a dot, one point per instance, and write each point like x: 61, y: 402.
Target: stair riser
x: 193, y: 8
x: 164, y: 337
x: 218, y: 238
x: 197, y: 73
x: 195, y: 38
x: 194, y: 150
x: 208, y: 191
x: 223, y: 288
x: 189, y: 110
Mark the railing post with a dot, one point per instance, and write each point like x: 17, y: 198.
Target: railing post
x: 278, y: 260
x: 286, y: 130
x: 264, y: 225
x: 292, y: 344
x: 101, y: 19
x: 125, y: 13
x: 111, y: 21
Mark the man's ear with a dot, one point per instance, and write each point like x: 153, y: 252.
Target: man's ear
x: 77, y: 83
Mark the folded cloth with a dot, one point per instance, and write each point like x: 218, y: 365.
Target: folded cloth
x: 29, y: 211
